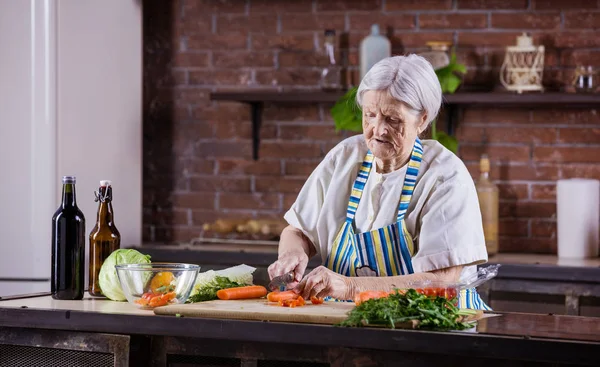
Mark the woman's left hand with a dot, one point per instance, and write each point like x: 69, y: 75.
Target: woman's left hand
x: 322, y: 282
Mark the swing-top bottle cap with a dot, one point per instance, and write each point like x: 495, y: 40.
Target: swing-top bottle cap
x: 105, y: 183
x: 68, y: 179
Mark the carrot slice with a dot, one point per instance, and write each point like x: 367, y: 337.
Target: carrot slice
x: 364, y: 296
x: 278, y: 296
x: 316, y: 301
x: 246, y: 292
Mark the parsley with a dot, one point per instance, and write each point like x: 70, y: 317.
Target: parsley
x: 208, y: 291
x: 436, y: 313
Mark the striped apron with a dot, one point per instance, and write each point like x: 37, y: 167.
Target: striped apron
x: 385, y: 251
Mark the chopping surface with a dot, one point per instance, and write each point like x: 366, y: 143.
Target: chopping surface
x: 261, y: 310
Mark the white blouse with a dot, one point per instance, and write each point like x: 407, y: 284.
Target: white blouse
x: 443, y: 217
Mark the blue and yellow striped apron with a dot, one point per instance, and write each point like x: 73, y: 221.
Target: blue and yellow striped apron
x: 385, y: 251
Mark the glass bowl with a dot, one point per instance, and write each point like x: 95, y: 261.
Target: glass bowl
x: 157, y: 284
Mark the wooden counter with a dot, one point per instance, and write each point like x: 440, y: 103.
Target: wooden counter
x: 511, y: 338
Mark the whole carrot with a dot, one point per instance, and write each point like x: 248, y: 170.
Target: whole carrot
x: 246, y: 292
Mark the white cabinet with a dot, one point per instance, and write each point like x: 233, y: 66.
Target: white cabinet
x: 70, y: 104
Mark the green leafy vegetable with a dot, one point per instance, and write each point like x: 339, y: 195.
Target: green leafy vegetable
x: 208, y: 291
x: 346, y: 113
x: 108, y: 278
x: 436, y: 313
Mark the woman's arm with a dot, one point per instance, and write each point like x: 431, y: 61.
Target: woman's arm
x: 362, y: 284
x: 295, y: 249
x: 293, y: 240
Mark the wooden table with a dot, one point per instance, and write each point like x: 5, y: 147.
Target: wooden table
x: 138, y: 337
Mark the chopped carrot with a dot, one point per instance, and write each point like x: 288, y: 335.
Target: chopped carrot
x: 276, y: 296
x: 246, y: 292
x: 363, y: 296
x: 316, y: 301
x: 292, y: 302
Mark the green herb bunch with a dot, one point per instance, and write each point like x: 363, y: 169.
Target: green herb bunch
x: 208, y: 291
x: 426, y: 312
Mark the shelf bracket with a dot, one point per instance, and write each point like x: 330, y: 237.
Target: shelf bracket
x: 452, y: 118
x: 256, y: 112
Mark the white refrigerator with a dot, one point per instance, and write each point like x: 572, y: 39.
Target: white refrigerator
x: 70, y: 104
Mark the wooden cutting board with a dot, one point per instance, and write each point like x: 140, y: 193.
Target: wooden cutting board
x: 261, y: 310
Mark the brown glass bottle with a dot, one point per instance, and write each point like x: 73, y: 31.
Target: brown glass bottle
x: 104, y: 238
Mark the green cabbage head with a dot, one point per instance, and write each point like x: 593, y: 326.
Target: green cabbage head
x: 108, y: 278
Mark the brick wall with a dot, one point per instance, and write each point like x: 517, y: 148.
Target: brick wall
x: 197, y: 153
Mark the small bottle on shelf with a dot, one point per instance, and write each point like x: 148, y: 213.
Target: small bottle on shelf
x: 488, y: 195
x: 331, y: 74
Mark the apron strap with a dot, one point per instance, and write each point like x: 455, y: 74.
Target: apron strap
x: 410, y: 179
x: 359, y: 185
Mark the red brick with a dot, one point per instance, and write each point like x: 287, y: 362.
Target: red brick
x: 269, y: 6
x: 527, y: 245
x: 579, y: 57
x: 527, y: 209
x: 505, y: 172
x: 263, y: 23
x: 457, y: 21
x: 200, y: 24
x: 303, y: 169
x: 294, y: 77
x: 288, y: 201
x: 565, y: 116
x: 208, y: 41
x: 193, y: 200
x: 290, y: 150
x: 279, y: 184
x: 235, y: 130
x: 402, y: 5
x: 403, y: 39
x: 181, y: 113
x: 563, y: 5
x: 291, y: 112
x: 526, y: 20
x: 187, y: 95
x: 289, y: 59
x: 517, y: 153
x: 575, y: 39
x: 581, y: 171
x: 237, y: 149
x: 513, y: 191
x: 363, y: 21
x: 582, y: 19
x: 327, y: 5
x: 496, y: 115
x: 184, y: 234
x: 223, y: 111
x: 177, y: 77
x: 567, y: 154
x: 579, y: 135
x: 180, y: 217
x: 477, y: 134
x: 147, y: 233
x: 191, y: 59
x: 543, y: 228
x: 249, y: 201
x: 203, y: 167
x: 219, y: 77
x: 244, y: 167
x: 514, y: 228
x: 216, y: 183
x: 243, y: 59
x: 311, y: 22
x: 287, y: 42
x: 186, y: 135
x: 194, y: 8
x: 543, y: 192
x: 481, y: 39
x: 309, y: 132
x: 492, y: 4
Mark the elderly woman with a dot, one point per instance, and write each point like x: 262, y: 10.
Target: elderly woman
x: 385, y: 209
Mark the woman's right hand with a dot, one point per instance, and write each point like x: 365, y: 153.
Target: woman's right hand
x: 290, y: 261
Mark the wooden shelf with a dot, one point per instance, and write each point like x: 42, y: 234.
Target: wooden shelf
x: 452, y: 102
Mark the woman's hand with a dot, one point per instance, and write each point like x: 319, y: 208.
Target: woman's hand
x: 291, y: 261
x: 322, y: 282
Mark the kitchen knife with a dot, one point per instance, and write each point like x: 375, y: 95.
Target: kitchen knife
x: 280, y: 282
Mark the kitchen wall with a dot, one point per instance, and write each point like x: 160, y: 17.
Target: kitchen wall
x: 197, y: 153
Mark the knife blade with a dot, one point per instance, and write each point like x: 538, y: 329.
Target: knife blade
x: 280, y: 282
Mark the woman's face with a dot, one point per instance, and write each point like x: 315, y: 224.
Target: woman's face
x: 390, y: 127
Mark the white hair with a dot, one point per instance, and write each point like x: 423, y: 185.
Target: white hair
x: 409, y: 79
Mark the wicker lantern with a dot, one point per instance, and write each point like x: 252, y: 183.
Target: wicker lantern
x: 523, y: 66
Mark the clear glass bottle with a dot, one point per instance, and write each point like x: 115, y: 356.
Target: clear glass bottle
x: 331, y: 74
x: 488, y: 195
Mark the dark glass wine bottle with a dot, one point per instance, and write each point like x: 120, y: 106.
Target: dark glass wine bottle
x: 68, y: 246
x: 104, y: 237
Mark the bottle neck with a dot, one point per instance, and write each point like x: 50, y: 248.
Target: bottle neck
x: 68, y: 196
x: 105, y: 210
